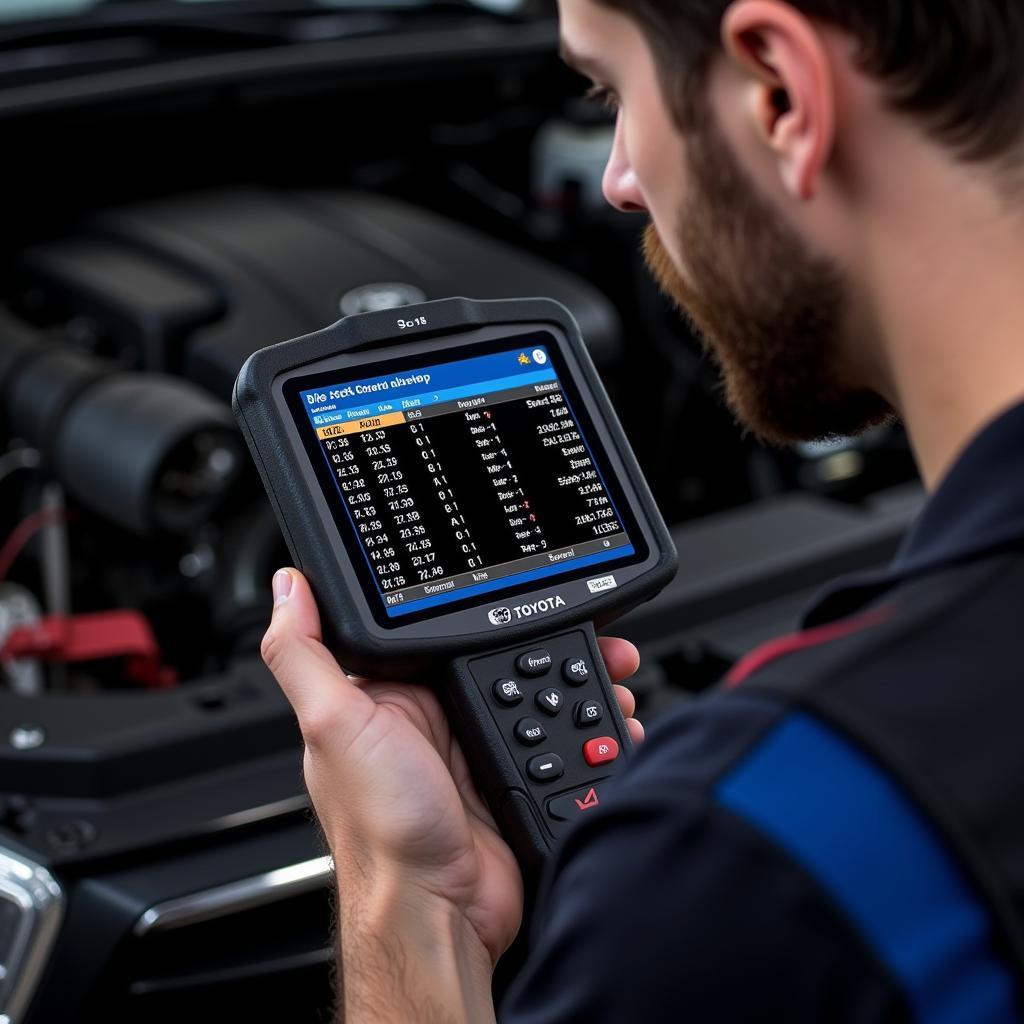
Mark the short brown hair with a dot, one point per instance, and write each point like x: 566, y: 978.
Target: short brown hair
x: 958, y: 64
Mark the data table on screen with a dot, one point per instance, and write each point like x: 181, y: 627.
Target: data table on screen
x: 466, y: 477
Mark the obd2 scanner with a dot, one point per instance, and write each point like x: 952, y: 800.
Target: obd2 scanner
x: 454, y: 483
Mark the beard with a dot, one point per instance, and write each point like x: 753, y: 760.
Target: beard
x: 768, y: 310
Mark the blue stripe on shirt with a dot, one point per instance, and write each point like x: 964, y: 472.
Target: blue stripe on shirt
x: 882, y: 862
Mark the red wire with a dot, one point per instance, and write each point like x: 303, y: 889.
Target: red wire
x: 23, y: 533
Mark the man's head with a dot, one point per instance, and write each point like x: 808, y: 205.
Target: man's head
x: 763, y: 137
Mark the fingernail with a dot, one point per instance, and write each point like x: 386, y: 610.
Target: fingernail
x: 282, y: 585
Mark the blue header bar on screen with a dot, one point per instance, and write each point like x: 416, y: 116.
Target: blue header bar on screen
x: 410, y: 389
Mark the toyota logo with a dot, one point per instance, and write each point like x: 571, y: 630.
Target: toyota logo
x: 500, y: 616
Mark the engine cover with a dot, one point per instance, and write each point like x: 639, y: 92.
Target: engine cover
x: 197, y: 283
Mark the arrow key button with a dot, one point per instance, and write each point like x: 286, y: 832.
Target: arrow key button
x: 550, y: 701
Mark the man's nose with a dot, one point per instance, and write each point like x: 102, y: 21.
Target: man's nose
x: 619, y: 183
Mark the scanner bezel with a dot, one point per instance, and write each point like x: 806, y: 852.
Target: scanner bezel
x: 435, y: 332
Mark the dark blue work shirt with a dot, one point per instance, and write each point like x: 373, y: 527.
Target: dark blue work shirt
x: 837, y: 834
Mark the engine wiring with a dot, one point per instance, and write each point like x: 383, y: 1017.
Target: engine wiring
x: 23, y: 533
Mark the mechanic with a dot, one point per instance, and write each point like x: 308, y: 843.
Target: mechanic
x: 836, y: 197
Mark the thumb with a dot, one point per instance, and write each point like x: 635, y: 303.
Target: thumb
x: 293, y: 651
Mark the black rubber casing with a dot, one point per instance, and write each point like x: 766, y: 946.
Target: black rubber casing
x: 441, y: 649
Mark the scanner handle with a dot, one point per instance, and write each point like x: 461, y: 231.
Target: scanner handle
x: 537, y: 784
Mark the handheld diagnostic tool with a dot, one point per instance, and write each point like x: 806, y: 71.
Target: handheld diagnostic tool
x: 455, y: 485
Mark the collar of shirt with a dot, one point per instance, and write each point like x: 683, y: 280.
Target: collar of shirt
x: 978, y: 508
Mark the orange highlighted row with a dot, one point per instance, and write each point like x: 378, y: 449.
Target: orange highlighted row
x: 358, y: 426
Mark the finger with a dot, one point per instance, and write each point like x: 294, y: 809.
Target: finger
x: 292, y: 650
x: 295, y: 604
x: 621, y: 658
x: 636, y: 730
x: 627, y: 702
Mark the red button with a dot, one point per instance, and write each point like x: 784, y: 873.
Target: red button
x: 600, y: 750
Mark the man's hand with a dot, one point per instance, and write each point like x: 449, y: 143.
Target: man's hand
x: 430, y: 895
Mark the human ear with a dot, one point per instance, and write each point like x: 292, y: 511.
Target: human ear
x: 789, y: 84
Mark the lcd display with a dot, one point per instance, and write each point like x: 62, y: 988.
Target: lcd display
x: 462, y: 480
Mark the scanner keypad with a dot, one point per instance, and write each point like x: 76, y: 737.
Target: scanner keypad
x: 564, y: 759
